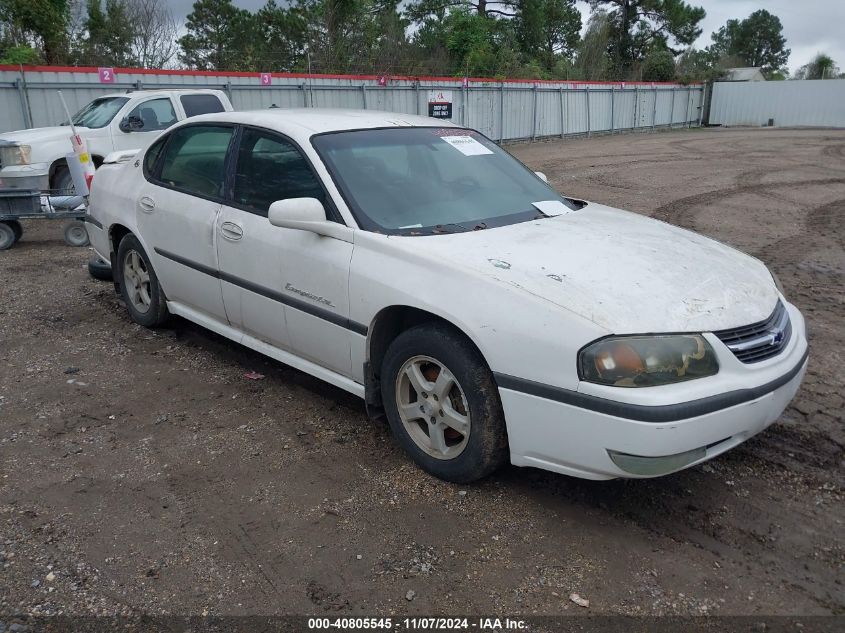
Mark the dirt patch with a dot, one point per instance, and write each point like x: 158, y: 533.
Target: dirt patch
x: 143, y: 473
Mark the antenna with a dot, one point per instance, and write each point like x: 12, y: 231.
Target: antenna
x: 67, y: 112
x: 310, y: 88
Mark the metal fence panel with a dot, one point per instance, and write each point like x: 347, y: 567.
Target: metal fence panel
x: 502, y: 110
x: 786, y: 103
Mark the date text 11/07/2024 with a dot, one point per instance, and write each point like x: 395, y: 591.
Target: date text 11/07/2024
x: 417, y: 624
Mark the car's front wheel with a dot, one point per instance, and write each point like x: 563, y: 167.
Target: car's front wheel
x: 139, y: 286
x: 443, y: 404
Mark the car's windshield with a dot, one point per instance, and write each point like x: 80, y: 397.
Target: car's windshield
x: 428, y: 180
x: 99, y: 112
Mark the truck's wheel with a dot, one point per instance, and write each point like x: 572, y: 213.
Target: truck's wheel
x: 7, y: 236
x: 139, y: 285
x: 62, y: 183
x: 443, y: 404
x: 17, y: 228
x: 76, y: 234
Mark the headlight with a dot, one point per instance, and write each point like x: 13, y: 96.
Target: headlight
x: 646, y: 361
x: 15, y: 154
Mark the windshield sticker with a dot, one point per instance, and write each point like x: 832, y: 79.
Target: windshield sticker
x: 466, y: 145
x: 411, y: 226
x: 551, y: 207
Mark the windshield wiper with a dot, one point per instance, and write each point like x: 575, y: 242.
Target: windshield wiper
x: 445, y: 228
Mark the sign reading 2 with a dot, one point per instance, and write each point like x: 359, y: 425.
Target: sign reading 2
x: 106, y: 75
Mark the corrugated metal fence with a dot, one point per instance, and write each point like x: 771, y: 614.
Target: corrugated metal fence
x: 819, y: 103
x: 502, y: 110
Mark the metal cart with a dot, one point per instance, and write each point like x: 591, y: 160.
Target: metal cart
x: 18, y: 204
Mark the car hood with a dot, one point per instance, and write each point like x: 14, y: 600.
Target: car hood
x: 39, y: 134
x: 625, y: 272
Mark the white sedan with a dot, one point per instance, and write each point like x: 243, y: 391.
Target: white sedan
x: 419, y: 266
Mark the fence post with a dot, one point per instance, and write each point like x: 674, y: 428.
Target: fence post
x: 701, y: 102
x: 534, y: 116
x: 672, y: 110
x: 502, y: 111
x: 417, y: 94
x: 25, y: 113
x: 636, y: 109
x: 654, y: 109
x: 562, y: 115
x: 364, y: 94
x: 612, y: 112
x: 689, y: 99
x: 587, y: 92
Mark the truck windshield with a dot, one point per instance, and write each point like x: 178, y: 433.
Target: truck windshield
x: 99, y: 112
x: 424, y: 180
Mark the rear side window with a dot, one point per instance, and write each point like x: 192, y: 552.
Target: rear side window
x: 270, y: 168
x: 152, y: 155
x: 194, y: 160
x: 194, y: 105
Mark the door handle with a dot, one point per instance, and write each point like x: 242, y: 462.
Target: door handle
x: 147, y: 204
x: 231, y: 231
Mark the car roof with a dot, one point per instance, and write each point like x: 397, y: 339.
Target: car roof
x: 160, y: 91
x: 308, y: 121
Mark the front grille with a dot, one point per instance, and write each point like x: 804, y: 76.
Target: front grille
x: 757, y: 342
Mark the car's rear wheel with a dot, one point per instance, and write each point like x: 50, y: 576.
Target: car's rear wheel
x: 139, y: 286
x: 443, y: 404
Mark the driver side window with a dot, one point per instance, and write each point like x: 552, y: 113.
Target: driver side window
x: 269, y: 169
x: 155, y: 114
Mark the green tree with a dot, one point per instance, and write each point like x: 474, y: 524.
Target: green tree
x: 592, y: 59
x: 659, y: 66
x: 39, y: 24
x: 217, y: 35
x: 755, y: 41
x: 547, y: 30
x: 639, y: 26
x: 821, y: 66
x: 696, y: 65
x: 18, y: 55
x: 283, y: 35
x: 109, y: 33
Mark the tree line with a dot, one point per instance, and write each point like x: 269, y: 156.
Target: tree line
x: 650, y: 40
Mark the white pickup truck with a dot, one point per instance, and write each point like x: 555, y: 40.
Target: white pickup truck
x: 35, y: 158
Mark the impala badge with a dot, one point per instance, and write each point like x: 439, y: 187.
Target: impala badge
x: 308, y: 295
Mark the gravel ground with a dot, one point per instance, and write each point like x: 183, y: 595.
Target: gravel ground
x: 140, y: 472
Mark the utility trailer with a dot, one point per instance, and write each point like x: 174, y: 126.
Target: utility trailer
x: 17, y: 205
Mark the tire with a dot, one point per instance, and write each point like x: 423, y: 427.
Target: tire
x: 62, y: 183
x: 17, y: 228
x: 7, y: 236
x: 139, y: 286
x: 99, y: 269
x: 76, y: 234
x: 467, y: 412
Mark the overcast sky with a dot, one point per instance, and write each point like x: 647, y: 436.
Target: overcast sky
x: 810, y: 26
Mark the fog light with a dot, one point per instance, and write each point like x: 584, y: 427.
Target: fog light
x: 637, y: 465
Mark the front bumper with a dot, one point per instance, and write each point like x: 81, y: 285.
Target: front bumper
x: 587, y: 442
x: 33, y: 176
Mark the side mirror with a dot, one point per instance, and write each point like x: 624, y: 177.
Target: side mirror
x: 306, y: 214
x: 541, y: 176
x: 131, y: 124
